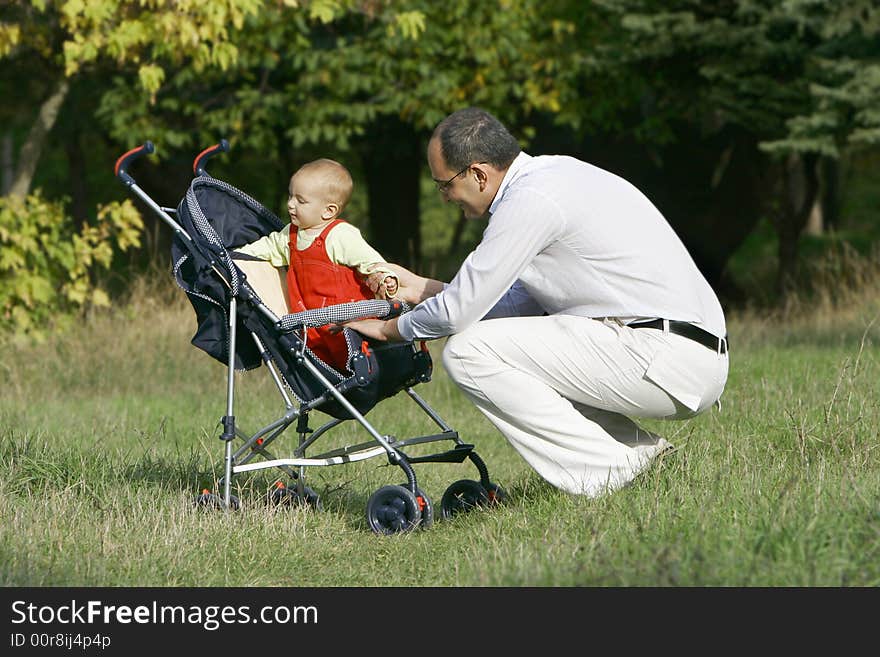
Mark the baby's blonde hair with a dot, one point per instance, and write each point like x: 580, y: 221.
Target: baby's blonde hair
x: 335, y: 178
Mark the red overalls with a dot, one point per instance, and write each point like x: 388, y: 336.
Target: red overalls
x: 314, y: 281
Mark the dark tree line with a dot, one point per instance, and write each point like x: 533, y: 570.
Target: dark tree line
x: 725, y: 112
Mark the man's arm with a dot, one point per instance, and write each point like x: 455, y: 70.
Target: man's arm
x: 383, y: 330
x: 525, y: 222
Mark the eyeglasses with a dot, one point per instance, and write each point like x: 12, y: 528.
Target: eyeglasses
x: 443, y: 185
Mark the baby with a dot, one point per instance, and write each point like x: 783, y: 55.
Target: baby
x: 327, y: 258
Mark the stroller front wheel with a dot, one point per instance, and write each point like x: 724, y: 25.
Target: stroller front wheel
x: 209, y: 500
x: 426, y: 506
x: 392, y: 510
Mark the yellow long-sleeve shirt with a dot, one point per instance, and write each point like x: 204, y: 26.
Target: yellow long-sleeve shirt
x: 344, y: 244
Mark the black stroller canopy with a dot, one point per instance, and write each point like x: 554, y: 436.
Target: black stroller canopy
x: 216, y: 215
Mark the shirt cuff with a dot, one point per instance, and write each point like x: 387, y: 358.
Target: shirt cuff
x: 404, y: 327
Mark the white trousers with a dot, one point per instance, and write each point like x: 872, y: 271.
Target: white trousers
x: 562, y: 388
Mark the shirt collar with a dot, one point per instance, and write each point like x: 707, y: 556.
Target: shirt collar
x: 512, y: 171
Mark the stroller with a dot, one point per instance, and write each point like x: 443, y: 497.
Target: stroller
x: 235, y: 297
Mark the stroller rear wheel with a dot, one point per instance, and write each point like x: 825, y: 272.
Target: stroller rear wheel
x: 497, y: 495
x: 290, y: 496
x: 462, y: 496
x: 392, y: 510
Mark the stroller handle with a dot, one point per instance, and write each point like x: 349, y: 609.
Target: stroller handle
x: 127, y: 158
x: 203, y: 157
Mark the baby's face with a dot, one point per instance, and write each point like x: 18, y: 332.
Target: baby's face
x: 306, y: 201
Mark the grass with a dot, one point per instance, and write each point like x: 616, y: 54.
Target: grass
x: 108, y: 430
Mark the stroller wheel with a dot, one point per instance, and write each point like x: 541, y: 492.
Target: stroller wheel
x: 209, y: 500
x: 393, y: 509
x: 426, y: 506
x: 462, y: 496
x: 497, y: 495
x: 289, y: 495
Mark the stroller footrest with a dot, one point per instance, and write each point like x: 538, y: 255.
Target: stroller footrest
x: 455, y: 455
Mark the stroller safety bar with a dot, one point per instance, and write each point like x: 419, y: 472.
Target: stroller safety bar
x: 343, y: 312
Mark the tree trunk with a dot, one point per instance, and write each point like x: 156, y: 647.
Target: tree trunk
x: 392, y: 165
x: 457, y: 234
x: 6, y: 164
x: 36, y: 139
x: 830, y: 179
x: 816, y: 220
x: 801, y: 187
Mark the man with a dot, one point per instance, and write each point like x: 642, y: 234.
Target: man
x: 579, y: 309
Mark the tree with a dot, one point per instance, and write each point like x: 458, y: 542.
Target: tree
x: 49, y: 53
x: 362, y: 79
x: 715, y: 107
x: 738, y: 102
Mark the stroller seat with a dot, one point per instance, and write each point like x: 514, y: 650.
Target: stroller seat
x: 268, y: 282
x: 243, y: 321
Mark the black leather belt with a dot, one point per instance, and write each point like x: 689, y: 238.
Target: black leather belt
x: 687, y: 330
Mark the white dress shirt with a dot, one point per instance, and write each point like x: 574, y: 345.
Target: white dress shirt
x: 566, y: 237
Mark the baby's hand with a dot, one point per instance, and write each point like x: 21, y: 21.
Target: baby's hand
x: 390, y: 286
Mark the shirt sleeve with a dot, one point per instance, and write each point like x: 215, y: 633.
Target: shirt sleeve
x: 524, y: 224
x: 516, y: 302
x: 346, y: 246
x: 274, y: 247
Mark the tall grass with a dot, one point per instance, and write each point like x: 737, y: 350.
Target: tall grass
x: 108, y: 431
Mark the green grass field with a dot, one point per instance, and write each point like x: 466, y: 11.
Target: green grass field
x: 108, y: 431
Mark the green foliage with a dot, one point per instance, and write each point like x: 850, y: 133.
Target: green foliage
x: 47, y: 266
x: 283, y: 79
x: 321, y: 74
x: 174, y: 33
x: 9, y: 36
x: 802, y: 76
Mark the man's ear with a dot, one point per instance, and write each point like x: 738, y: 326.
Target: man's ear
x: 330, y: 211
x: 481, y: 175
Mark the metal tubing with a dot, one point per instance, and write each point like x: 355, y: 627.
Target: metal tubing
x: 301, y: 450
x: 430, y: 411
x: 230, y: 392
x: 250, y: 442
x: 155, y: 207
x: 275, y: 376
x: 351, y: 409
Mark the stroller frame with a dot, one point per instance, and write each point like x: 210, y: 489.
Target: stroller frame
x: 390, y: 509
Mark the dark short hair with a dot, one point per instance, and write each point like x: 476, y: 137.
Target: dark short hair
x: 473, y: 135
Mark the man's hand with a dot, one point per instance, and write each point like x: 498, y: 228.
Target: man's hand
x: 412, y: 288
